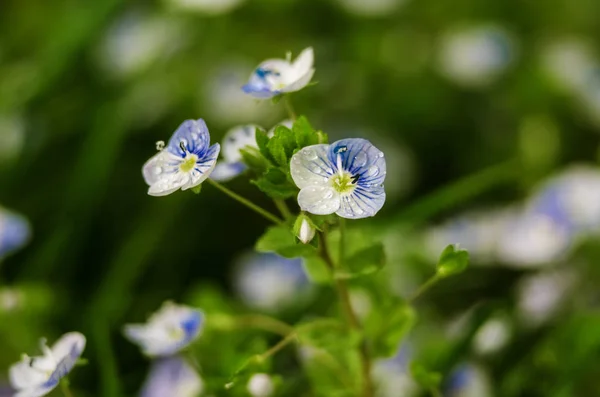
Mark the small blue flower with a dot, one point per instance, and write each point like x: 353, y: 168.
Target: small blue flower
x: 14, y: 232
x: 467, y: 381
x: 277, y: 76
x: 168, y: 331
x: 186, y: 161
x: 345, y: 177
x: 271, y: 282
x: 235, y: 139
x: 172, y: 377
x: 38, y: 376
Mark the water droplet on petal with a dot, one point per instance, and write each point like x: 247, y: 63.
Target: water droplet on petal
x: 157, y: 170
x: 360, y: 160
x: 329, y: 194
x: 310, y: 154
x: 373, y: 171
x: 380, y: 154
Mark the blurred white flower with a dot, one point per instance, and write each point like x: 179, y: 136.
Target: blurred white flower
x: 14, y: 232
x: 568, y: 62
x: 38, y: 376
x: 185, y: 163
x: 277, y: 76
x: 270, y: 282
x: 476, y: 56
x: 237, y: 138
x: 136, y: 41
x: 261, y: 385
x: 540, y: 296
x: 493, y: 335
x: 391, y: 376
x: 172, y: 377
x: 211, y: 7
x: 468, y: 380
x: 10, y: 299
x: 167, y: 331
x: 371, y: 8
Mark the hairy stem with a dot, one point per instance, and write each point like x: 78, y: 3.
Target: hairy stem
x: 246, y: 202
x: 351, y: 318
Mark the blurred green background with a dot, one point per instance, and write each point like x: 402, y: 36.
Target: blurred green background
x: 447, y: 89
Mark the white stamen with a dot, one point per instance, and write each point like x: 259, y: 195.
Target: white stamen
x: 339, y: 165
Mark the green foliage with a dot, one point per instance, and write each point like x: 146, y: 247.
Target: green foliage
x: 453, y: 260
x: 196, y: 189
x: 281, y: 240
x: 276, y: 184
x: 282, y: 146
x: 254, y: 160
x: 363, y: 263
x: 426, y: 379
x: 386, y: 326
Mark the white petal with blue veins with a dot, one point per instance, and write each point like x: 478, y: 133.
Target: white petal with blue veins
x: 311, y: 167
x: 319, y: 200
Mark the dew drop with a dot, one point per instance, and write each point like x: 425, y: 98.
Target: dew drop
x: 380, y: 154
x: 373, y: 171
x: 360, y: 160
x: 310, y: 154
x: 157, y: 170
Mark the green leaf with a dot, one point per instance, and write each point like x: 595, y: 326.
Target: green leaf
x: 316, y: 269
x: 279, y: 239
x: 282, y: 146
x: 254, y: 159
x: 366, y: 261
x: 328, y: 333
x: 304, y: 134
x: 452, y: 261
x: 262, y: 142
x: 388, y: 325
x: 426, y: 379
x: 276, y: 184
x: 323, y: 137
x: 197, y: 189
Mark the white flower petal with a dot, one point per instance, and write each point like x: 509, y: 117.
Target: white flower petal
x: 169, y: 183
x: 304, y: 62
x: 68, y: 343
x: 34, y: 392
x: 160, y: 164
x: 23, y: 376
x: 203, y: 168
x: 300, y: 83
x: 311, y: 167
x: 362, y: 203
x: 236, y: 139
x: 319, y: 200
x: 172, y: 377
x: 224, y: 172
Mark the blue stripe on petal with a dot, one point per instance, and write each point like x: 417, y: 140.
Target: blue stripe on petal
x: 192, y: 325
x: 359, y: 157
x: 195, y: 138
x: 362, y: 203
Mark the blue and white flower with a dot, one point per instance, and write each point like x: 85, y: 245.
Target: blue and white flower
x: 476, y: 56
x: 277, y: 76
x: 392, y: 377
x: 38, y: 376
x: 167, y: 331
x: 14, y: 232
x: 235, y: 139
x: 468, y: 381
x: 185, y: 163
x: 270, y: 282
x: 345, y: 178
x: 172, y: 377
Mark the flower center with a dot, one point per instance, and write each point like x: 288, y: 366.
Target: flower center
x: 189, y: 162
x: 343, y: 182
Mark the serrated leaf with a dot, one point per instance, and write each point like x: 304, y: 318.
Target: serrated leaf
x: 279, y: 239
x: 425, y: 378
x: 276, y: 184
x: 366, y: 261
x: 282, y: 146
x: 254, y: 160
x: 304, y: 134
x: 262, y: 142
x: 452, y: 261
x: 388, y: 325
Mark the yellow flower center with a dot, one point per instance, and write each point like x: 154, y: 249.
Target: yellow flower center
x: 188, y: 163
x: 343, y: 182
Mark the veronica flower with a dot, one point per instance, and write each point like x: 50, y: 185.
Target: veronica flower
x: 345, y: 177
x: 172, y: 377
x: 186, y: 161
x: 38, y: 376
x: 168, y: 331
x: 277, y: 76
x: 14, y: 232
x: 270, y: 282
x: 235, y: 139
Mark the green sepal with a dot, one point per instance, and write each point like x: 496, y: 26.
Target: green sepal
x: 453, y: 260
x: 196, y: 189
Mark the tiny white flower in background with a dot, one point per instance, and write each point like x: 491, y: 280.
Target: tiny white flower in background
x: 186, y: 161
x: 392, y: 377
x: 14, y: 232
x: 9, y: 299
x: 568, y: 62
x: 277, y: 76
x: 371, y: 8
x: 172, y: 377
x: 167, y: 331
x: 234, y: 140
x: 345, y: 178
x: 475, y: 56
x: 12, y: 137
x: 38, y: 376
x: 270, y: 282
x: 493, y: 335
x: 261, y: 385
x: 211, y: 7
x: 468, y: 380
x: 578, y: 189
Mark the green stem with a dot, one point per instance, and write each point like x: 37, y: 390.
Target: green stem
x: 266, y: 323
x: 341, y: 258
x: 283, y: 208
x: 351, y: 318
x: 424, y: 287
x: 246, y: 202
x: 275, y: 349
x: 64, y: 385
x: 287, y: 102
